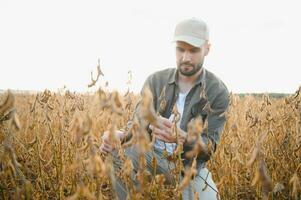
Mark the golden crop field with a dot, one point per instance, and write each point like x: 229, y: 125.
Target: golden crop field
x: 49, y: 148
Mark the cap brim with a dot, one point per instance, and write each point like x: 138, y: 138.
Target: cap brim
x: 196, y: 42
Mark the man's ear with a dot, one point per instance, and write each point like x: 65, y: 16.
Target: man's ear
x: 207, y: 48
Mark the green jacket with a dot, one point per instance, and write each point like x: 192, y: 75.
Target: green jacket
x: 217, y: 95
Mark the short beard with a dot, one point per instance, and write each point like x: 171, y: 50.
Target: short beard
x: 195, y: 69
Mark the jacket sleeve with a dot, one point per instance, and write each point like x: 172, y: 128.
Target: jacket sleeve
x: 216, y: 119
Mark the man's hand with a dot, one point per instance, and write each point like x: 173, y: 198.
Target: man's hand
x: 163, y: 130
x: 106, y: 145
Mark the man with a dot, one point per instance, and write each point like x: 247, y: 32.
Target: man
x: 196, y: 92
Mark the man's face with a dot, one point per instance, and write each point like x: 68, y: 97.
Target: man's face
x: 190, y: 59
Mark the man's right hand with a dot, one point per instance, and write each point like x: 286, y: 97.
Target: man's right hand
x: 106, y: 145
x: 162, y: 129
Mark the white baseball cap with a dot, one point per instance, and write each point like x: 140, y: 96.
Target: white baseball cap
x: 192, y: 31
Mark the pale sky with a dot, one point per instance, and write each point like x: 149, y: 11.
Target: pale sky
x: 255, y: 44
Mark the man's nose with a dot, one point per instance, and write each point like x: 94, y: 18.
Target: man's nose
x: 186, y: 56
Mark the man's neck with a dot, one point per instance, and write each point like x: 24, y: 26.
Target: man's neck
x: 186, y: 82
x: 189, y: 79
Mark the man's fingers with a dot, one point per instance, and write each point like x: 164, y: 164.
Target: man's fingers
x: 167, y: 123
x: 107, y: 145
x: 106, y: 141
x: 102, y: 149
x: 161, y: 127
x: 105, y: 149
x: 163, y: 123
x: 168, y: 131
x: 159, y: 136
x: 162, y: 134
x: 158, y: 131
